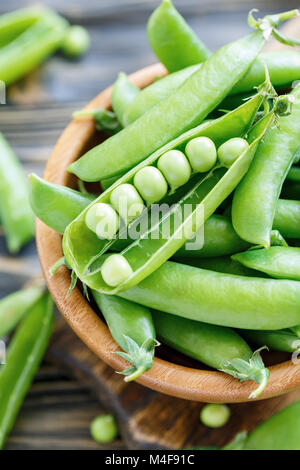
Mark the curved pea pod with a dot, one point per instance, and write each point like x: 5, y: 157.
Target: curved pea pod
x: 123, y: 93
x: 281, y: 262
x: 233, y: 124
x: 166, y: 236
x: 172, y: 40
x: 15, y: 212
x: 220, y: 264
x: 132, y: 327
x: 220, y: 299
x: 278, y: 340
x: 24, y: 355
x: 218, y: 347
x: 280, y: 432
x: 255, y: 199
x: 287, y: 218
x: 182, y: 110
x: 56, y: 205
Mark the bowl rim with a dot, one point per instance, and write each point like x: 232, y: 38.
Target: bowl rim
x: 165, y: 377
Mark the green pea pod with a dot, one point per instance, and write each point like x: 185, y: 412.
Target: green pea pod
x: 123, y: 93
x: 182, y: 110
x: 280, y: 340
x: 132, y: 328
x: 24, y: 355
x: 151, y: 250
x: 283, y: 67
x: 287, y: 218
x: 15, y: 212
x: 216, y: 346
x: 172, y: 40
x: 294, y: 174
x: 280, y: 432
x: 15, y: 306
x: 31, y: 47
x: 220, y: 299
x: 255, y: 199
x: 56, y: 205
x: 220, y: 264
x: 282, y: 262
x: 233, y: 124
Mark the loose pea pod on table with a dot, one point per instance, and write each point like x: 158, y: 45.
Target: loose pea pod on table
x: 24, y: 355
x: 255, y: 200
x: 182, y: 110
x: 15, y: 212
x: 132, y: 328
x: 220, y: 299
x: 153, y: 248
x: 233, y: 124
x: 172, y: 40
x: 283, y: 66
x: 216, y: 346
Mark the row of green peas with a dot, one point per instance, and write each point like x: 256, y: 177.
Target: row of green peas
x: 150, y: 184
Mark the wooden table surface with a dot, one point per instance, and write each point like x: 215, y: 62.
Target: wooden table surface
x: 58, y: 409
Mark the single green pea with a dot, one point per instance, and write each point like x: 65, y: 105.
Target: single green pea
x: 115, y: 270
x: 104, y: 428
x: 202, y: 154
x: 151, y: 184
x: 127, y: 201
x: 77, y: 42
x: 230, y: 151
x: 215, y: 415
x: 175, y: 168
x: 102, y: 219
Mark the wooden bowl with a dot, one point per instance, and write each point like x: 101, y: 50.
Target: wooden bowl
x: 165, y: 376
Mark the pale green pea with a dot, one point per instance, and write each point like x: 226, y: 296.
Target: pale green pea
x: 215, y: 415
x: 230, y: 151
x: 127, y: 201
x: 175, y: 168
x: 151, y: 184
x: 104, y: 428
x: 77, y: 41
x: 115, y: 270
x: 102, y: 219
x: 201, y: 153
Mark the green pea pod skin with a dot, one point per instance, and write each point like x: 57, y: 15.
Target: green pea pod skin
x: 24, y: 355
x: 220, y: 264
x: 123, y: 93
x: 283, y: 67
x: 281, y: 340
x: 280, y: 432
x: 172, y: 40
x: 132, y: 327
x: 282, y: 262
x: 233, y: 124
x: 218, y: 347
x: 255, y: 199
x: 31, y: 47
x: 15, y: 212
x: 183, y: 110
x: 151, y: 250
x: 56, y: 205
x: 15, y: 306
x: 219, y: 299
x: 287, y: 218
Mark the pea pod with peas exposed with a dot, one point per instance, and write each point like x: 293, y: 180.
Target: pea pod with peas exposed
x: 183, y: 110
x: 233, y: 124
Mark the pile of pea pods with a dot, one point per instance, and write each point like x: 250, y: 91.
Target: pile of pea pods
x: 214, y: 136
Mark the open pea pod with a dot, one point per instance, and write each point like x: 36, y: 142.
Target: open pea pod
x: 149, y: 252
x: 82, y: 246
